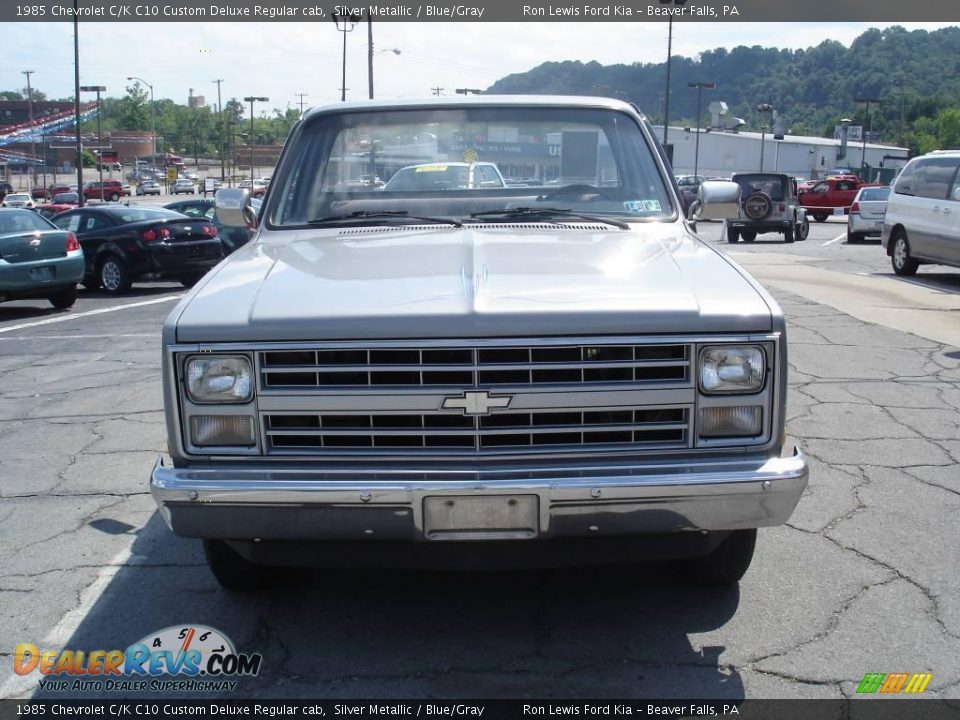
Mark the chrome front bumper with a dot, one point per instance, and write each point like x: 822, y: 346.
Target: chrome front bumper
x: 246, y: 502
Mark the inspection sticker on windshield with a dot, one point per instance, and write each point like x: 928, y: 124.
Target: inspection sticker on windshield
x: 642, y: 206
x: 431, y: 168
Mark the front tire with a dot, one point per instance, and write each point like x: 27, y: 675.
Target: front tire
x: 727, y: 563
x: 903, y: 264
x: 234, y: 572
x: 803, y: 230
x: 114, y: 197
x: 114, y: 275
x: 732, y: 235
x: 64, y: 299
x: 788, y: 234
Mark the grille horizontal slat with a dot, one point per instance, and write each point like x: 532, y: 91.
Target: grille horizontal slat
x: 428, y: 432
x: 474, y: 366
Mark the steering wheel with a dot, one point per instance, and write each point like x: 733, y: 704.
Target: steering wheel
x: 579, y: 191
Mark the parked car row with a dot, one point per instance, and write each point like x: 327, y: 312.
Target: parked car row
x: 41, y: 246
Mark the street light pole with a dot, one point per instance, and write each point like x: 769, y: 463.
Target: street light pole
x: 153, y: 118
x: 866, y: 124
x: 696, y: 153
x: 97, y: 89
x: 666, y: 101
x: 345, y: 24
x: 764, y: 108
x: 252, y: 99
x: 76, y: 101
x: 33, y: 142
x: 223, y: 168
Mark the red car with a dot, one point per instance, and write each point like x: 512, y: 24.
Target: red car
x: 50, y: 209
x: 107, y: 190
x: 39, y: 193
x: 832, y: 196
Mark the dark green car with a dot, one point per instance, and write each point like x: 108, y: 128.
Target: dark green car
x: 38, y: 260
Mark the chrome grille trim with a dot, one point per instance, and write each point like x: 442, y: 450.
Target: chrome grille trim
x: 474, y: 366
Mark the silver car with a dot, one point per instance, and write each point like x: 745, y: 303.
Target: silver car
x: 497, y: 375
x: 866, y: 214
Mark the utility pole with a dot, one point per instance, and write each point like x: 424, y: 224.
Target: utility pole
x: 301, y: 96
x: 33, y: 144
x: 666, y: 102
x: 903, y: 139
x: 369, y: 56
x: 223, y: 163
x: 76, y: 101
x: 866, y: 124
x: 696, y: 153
x: 437, y: 90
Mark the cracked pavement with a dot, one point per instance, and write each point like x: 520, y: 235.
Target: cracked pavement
x: 862, y: 579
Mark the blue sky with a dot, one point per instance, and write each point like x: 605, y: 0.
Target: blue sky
x: 279, y: 60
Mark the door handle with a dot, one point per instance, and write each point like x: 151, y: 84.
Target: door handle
x: 946, y: 211
x: 936, y: 208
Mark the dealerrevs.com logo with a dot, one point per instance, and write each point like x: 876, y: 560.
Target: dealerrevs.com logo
x: 178, y: 658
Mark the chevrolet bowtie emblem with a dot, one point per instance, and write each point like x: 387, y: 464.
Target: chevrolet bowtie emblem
x: 477, y: 403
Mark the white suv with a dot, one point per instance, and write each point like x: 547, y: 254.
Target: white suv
x: 922, y: 224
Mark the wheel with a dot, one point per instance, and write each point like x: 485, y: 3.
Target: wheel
x: 114, y: 197
x: 64, y: 299
x: 188, y: 281
x: 903, y: 264
x: 232, y: 571
x: 820, y: 217
x: 803, y: 231
x: 748, y: 235
x: 114, y: 276
x: 727, y: 563
x: 732, y: 235
x: 758, y: 206
x: 853, y: 237
x: 788, y: 234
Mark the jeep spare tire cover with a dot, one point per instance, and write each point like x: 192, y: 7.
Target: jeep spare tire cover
x: 757, y: 206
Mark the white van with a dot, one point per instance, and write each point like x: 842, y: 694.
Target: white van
x: 922, y: 224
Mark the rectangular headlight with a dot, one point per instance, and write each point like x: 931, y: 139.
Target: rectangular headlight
x: 218, y: 430
x: 219, y: 379
x: 736, y: 421
x: 731, y: 369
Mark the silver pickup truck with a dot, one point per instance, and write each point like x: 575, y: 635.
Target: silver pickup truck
x: 553, y: 371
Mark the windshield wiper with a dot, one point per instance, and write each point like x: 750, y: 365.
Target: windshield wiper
x: 543, y: 213
x: 382, y: 215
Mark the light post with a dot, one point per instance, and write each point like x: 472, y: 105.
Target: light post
x: 97, y: 89
x: 76, y: 102
x: 696, y: 153
x: 345, y: 24
x: 153, y: 118
x: 666, y: 101
x: 866, y: 124
x: 764, y: 108
x: 33, y: 142
x: 220, y: 143
x: 252, y: 99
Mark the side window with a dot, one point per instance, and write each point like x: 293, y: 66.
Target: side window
x: 843, y: 185
x: 936, y: 178
x: 95, y: 223
x: 192, y: 211
x: 70, y: 222
x: 820, y: 187
x: 907, y: 180
x: 955, y: 190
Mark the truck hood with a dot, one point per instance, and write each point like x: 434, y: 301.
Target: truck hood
x: 477, y: 281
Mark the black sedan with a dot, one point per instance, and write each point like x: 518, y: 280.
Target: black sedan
x: 123, y: 244
x: 232, y: 236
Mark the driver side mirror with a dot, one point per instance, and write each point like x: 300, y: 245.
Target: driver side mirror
x: 233, y: 207
x: 956, y: 193
x: 716, y: 200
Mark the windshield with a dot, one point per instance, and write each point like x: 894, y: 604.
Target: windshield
x: 136, y: 214
x: 453, y: 162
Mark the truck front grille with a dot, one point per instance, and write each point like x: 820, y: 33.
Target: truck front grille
x: 303, y: 370
x: 436, y: 432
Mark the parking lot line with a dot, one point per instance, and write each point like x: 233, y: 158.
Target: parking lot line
x: 838, y: 238
x: 73, y: 316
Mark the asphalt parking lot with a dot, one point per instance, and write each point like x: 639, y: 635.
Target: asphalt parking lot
x: 863, y: 578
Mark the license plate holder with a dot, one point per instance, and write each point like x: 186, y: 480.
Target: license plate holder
x: 40, y: 274
x: 491, y: 517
